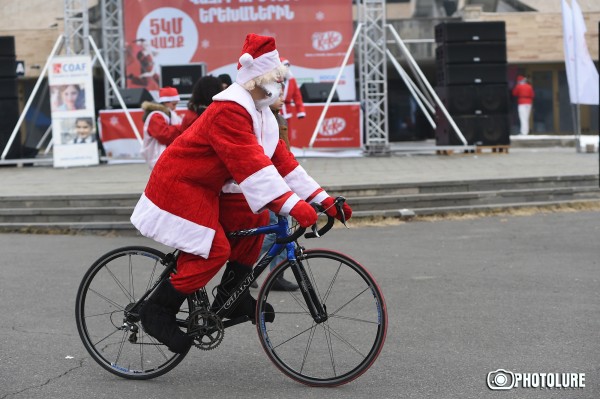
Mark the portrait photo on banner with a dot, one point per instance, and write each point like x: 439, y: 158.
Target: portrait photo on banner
x: 67, y: 97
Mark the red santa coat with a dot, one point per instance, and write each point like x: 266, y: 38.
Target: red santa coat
x: 292, y: 96
x: 231, y: 142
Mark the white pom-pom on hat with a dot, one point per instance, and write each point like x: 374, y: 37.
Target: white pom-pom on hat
x: 259, y: 57
x: 246, y: 60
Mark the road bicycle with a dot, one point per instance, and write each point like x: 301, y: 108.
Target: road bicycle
x: 327, y: 333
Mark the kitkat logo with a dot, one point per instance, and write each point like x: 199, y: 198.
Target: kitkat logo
x: 332, y: 126
x: 324, y: 41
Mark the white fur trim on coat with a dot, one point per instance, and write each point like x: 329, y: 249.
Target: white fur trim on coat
x: 301, y: 183
x: 262, y: 187
x: 264, y: 123
x: 289, y: 204
x: 171, y: 230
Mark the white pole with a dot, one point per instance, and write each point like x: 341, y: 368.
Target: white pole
x: 412, y: 89
x: 335, y: 83
x: 426, y: 83
x: 577, y: 105
x: 116, y: 90
x: 31, y: 96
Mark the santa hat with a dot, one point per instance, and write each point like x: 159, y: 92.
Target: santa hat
x: 168, y: 94
x: 285, y: 61
x: 259, y: 56
x: 520, y: 78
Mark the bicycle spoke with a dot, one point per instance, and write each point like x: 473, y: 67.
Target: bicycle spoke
x: 351, y: 300
x: 119, y: 307
x: 338, y: 336
x: 310, y: 338
x: 330, y: 288
x: 131, y: 286
x: 120, y: 285
x: 109, y: 334
x: 121, y: 347
x: 101, y: 314
x: 330, y: 347
x: 291, y: 338
x: 353, y: 319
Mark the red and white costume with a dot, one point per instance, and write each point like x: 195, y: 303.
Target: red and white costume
x: 161, y: 126
x: 292, y: 99
x: 231, y: 142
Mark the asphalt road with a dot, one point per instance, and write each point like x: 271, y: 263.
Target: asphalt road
x: 465, y: 298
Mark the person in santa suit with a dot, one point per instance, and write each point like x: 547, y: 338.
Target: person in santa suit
x: 161, y: 124
x: 292, y: 97
x: 222, y: 174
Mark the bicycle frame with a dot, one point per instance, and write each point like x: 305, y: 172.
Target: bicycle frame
x: 281, y: 231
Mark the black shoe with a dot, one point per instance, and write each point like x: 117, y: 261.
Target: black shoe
x: 159, y: 321
x: 233, y: 275
x: 281, y: 284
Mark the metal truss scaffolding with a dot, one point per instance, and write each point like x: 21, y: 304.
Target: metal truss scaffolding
x: 77, y: 27
x: 373, y: 73
x: 113, y: 46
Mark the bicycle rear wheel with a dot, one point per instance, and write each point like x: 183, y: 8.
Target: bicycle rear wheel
x: 109, y: 330
x: 339, y: 349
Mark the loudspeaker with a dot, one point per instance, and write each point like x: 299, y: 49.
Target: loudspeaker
x: 133, y: 98
x: 8, y: 87
x: 7, y: 46
x: 492, y: 31
x: 464, y: 74
x: 317, y: 92
x: 10, y: 117
x: 8, y: 67
x: 477, y: 130
x: 476, y: 53
x: 475, y: 99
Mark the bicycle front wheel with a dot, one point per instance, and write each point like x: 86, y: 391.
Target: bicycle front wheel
x: 108, y: 325
x: 338, y: 350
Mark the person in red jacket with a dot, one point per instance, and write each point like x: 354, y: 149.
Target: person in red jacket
x: 525, y: 94
x: 292, y: 103
x: 230, y: 164
x: 161, y: 124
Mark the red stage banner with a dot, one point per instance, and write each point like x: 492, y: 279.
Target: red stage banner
x: 341, y: 129
x: 313, y: 35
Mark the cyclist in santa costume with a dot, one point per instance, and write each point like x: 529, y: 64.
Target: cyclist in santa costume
x: 222, y: 173
x: 292, y: 97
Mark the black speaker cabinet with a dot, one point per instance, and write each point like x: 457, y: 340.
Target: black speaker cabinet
x: 133, y: 98
x: 8, y: 121
x: 491, y: 31
x: 475, y: 53
x: 464, y: 74
x: 475, y: 99
x: 477, y: 130
x: 7, y: 46
x: 8, y: 66
x: 317, y: 92
x: 8, y: 88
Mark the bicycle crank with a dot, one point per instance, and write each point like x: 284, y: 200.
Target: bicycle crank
x: 206, y: 328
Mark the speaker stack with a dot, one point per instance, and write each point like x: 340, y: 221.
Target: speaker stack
x: 472, y: 83
x: 9, y: 105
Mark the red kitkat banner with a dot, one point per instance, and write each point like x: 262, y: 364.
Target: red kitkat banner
x: 313, y: 35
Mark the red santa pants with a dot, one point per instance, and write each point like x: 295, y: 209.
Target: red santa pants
x: 194, y: 272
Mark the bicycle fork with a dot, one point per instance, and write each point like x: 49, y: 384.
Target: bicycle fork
x: 315, y: 307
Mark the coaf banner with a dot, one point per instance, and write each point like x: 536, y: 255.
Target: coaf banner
x: 72, y: 109
x: 313, y: 35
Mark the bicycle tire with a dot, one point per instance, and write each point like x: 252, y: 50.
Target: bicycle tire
x: 357, y: 324
x: 117, y: 280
